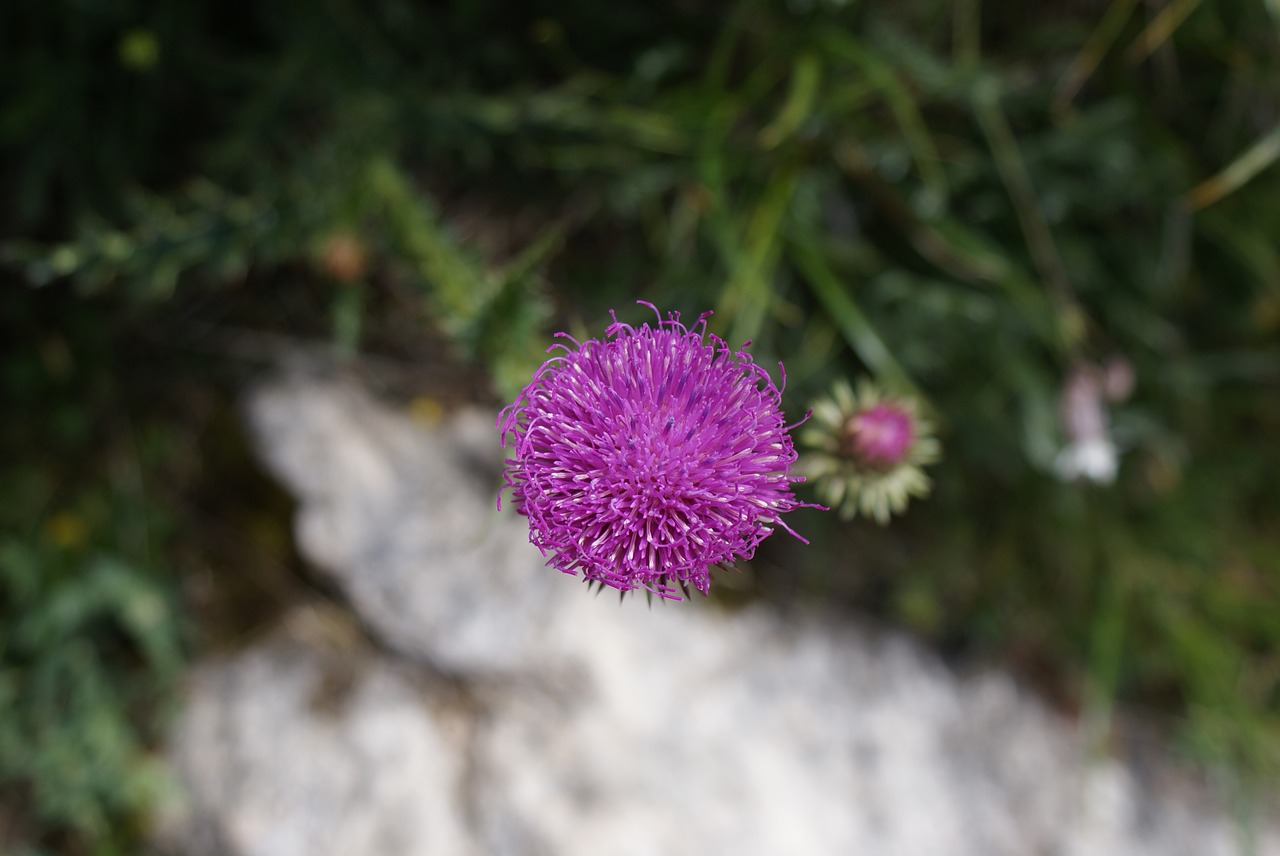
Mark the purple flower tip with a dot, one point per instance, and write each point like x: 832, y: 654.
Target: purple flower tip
x: 881, y: 435
x: 644, y: 459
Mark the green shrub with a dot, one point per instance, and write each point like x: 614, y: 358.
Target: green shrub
x: 89, y: 630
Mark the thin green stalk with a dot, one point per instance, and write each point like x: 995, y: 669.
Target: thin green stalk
x: 753, y: 259
x: 1095, y: 48
x: 806, y: 75
x: 1017, y: 183
x: 848, y: 317
x: 966, y: 33
x: 1106, y: 641
x: 1239, y: 172
x: 904, y: 108
x: 1160, y: 29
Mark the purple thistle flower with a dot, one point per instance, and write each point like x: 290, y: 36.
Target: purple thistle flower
x: 645, y: 459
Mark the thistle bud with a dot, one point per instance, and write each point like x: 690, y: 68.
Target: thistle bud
x: 867, y: 451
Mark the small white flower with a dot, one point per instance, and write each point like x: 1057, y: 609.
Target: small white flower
x: 1095, y: 459
x: 1090, y: 452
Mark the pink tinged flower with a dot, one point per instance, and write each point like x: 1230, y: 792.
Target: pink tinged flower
x: 1090, y: 453
x: 647, y: 458
x: 881, y: 435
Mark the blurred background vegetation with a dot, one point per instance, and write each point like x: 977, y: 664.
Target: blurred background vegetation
x: 966, y: 200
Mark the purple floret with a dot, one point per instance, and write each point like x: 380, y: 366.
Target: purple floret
x: 647, y: 458
x: 881, y: 435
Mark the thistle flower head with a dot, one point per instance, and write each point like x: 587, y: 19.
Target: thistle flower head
x: 648, y: 457
x: 868, y: 450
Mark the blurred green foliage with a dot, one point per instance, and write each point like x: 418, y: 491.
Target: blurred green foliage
x: 964, y: 199
x: 90, y: 633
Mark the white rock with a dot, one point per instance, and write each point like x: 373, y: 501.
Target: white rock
x: 597, y: 728
x: 405, y: 521
x: 293, y: 749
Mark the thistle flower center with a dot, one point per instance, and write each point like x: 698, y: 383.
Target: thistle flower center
x: 881, y: 435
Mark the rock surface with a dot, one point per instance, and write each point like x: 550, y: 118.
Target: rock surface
x: 487, y: 705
